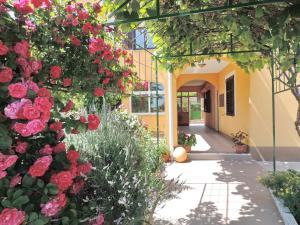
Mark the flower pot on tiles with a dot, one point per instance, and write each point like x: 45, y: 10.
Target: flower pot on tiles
x: 239, y: 142
x: 186, y: 141
x: 166, y: 157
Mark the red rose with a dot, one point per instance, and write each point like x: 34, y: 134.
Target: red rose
x: 36, y: 66
x: 82, y: 119
x: 17, y: 90
x: 55, y: 72
x: 83, y: 15
x: 11, y: 216
x: 43, y: 104
x: 15, y: 180
x: 60, y: 135
x: 57, y: 126
x: 99, y: 92
x: 106, y: 81
x: 96, y: 7
x: 76, y: 187
x: 93, y: 122
x: 63, y: 180
x: 60, y: 147
x: 68, y: 106
x: 44, y: 92
x: 6, y: 75
x: 22, y: 49
x: 84, y: 169
x: 75, y: 22
x: 3, y: 49
x: 87, y: 27
x: 75, y: 131
x: 22, y: 129
x: 35, y: 126
x: 73, y: 156
x: 3, y: 174
x: 30, y: 112
x: 40, y: 166
x: 67, y: 82
x: 75, y: 41
x: 21, y: 147
x: 45, y: 116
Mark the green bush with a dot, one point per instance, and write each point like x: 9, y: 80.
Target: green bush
x: 126, y: 183
x: 286, y: 185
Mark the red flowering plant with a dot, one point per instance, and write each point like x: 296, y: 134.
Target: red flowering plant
x: 47, y: 49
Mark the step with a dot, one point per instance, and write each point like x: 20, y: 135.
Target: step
x: 219, y: 156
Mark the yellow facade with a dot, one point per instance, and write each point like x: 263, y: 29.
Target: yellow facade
x: 253, y: 106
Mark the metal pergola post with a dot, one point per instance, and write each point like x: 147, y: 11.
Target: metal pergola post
x: 157, y: 105
x: 273, y: 112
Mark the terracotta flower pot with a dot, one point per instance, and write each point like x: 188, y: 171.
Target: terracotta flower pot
x: 166, y: 157
x: 188, y: 149
x: 241, y: 149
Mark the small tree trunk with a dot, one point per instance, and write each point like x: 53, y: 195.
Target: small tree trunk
x: 296, y: 93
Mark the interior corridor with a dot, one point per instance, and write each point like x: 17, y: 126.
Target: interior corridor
x: 208, y: 140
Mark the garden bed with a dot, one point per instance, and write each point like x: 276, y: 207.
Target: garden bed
x: 284, y: 211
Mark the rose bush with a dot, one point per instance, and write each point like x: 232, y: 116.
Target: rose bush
x: 47, y: 49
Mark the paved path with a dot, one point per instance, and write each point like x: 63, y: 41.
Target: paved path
x: 208, y: 140
x: 219, y: 192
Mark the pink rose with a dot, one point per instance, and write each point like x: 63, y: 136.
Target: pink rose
x: 75, y: 41
x: 3, y: 49
x: 12, y: 111
x: 7, y: 161
x: 63, y: 180
x: 15, y: 180
x: 17, y: 90
x: 22, y: 48
x: 47, y: 150
x: 96, y: 45
x: 36, y: 66
x: 11, y: 216
x: 6, y: 75
x: 3, y: 174
x: 99, y: 220
x: 67, y: 82
x: 32, y: 86
x: 53, y: 207
x: 35, y: 126
x: 21, y: 147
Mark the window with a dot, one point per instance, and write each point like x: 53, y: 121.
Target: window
x: 140, y: 38
x: 207, y: 102
x: 230, y: 95
x: 144, y: 99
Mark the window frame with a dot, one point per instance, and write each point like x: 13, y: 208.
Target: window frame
x: 207, y: 102
x: 149, y: 94
x: 232, y: 76
x: 132, y: 43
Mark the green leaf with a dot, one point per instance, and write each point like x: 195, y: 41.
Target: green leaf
x: 33, y: 216
x: 17, y: 194
x: 40, y: 183
x: 38, y: 222
x: 27, y: 181
x: 259, y: 12
x: 65, y: 220
x: 135, y: 5
x: 6, y: 203
x: 52, y: 189
x: 21, y: 201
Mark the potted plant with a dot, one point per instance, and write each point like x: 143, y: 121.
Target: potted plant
x: 164, y: 152
x: 239, y: 142
x: 186, y: 141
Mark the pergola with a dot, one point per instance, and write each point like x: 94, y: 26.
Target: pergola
x: 152, y: 12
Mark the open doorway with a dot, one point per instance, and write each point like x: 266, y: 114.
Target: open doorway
x: 197, y: 112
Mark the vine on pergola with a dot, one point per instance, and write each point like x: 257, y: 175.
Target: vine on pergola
x: 268, y: 27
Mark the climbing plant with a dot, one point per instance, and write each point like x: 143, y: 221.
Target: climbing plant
x: 267, y: 28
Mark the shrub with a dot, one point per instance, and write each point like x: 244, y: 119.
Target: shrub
x: 286, y: 185
x: 126, y: 181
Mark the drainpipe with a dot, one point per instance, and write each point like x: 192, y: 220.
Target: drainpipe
x: 171, y: 111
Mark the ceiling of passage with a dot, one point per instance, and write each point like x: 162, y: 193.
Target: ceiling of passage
x: 207, y: 66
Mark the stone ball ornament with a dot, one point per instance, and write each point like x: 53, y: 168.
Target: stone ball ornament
x: 180, y: 155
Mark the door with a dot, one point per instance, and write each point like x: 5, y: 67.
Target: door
x: 183, y: 106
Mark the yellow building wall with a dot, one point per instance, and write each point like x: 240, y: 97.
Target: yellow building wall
x: 145, y: 68
x: 240, y: 121
x: 260, y: 119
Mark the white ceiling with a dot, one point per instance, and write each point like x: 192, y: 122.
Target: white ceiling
x: 207, y: 66
x: 195, y: 83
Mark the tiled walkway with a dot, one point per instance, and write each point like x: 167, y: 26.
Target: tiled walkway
x: 219, y: 192
x: 208, y: 140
